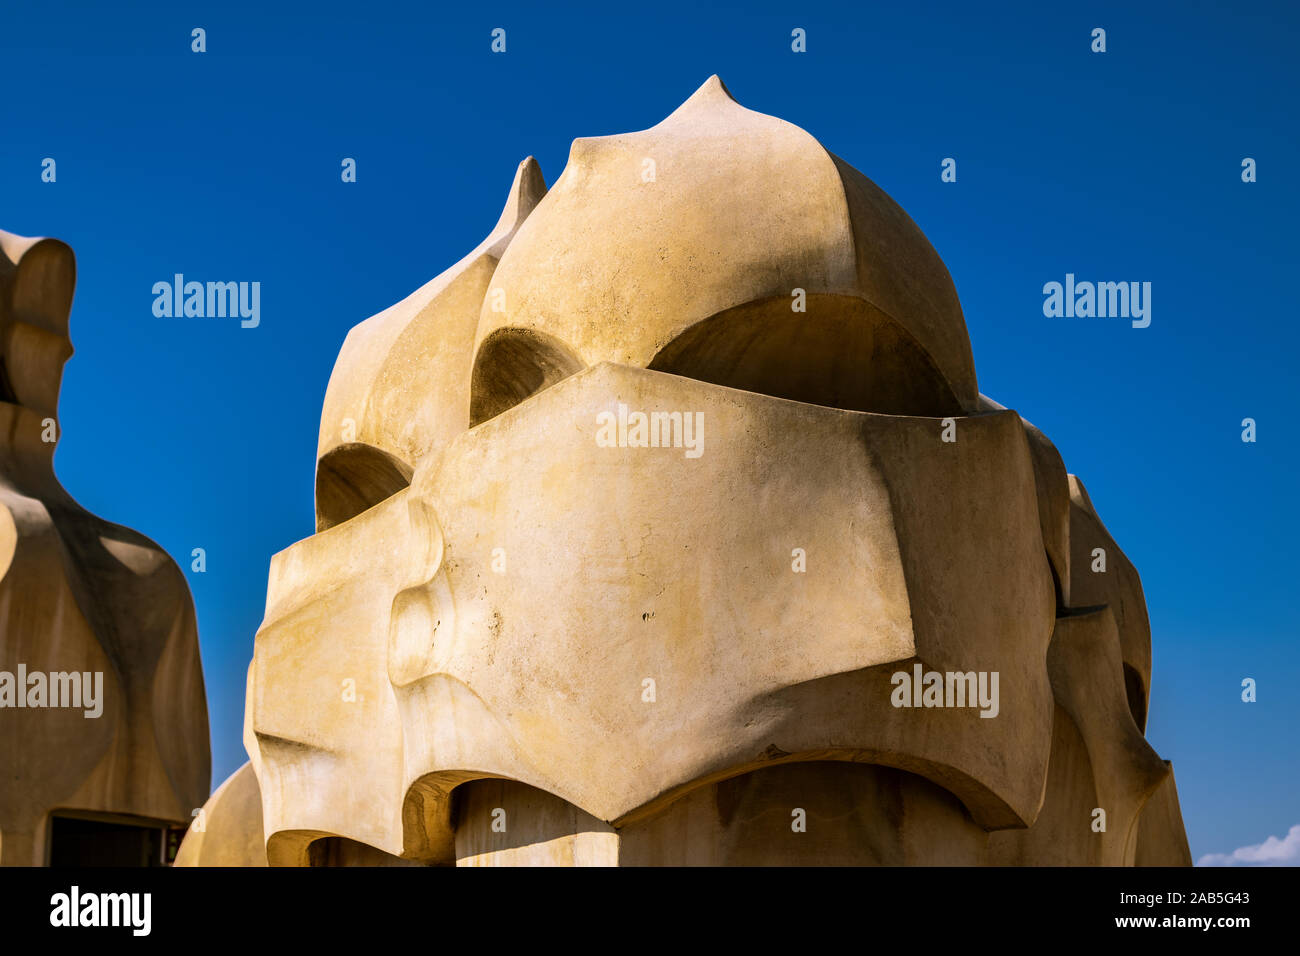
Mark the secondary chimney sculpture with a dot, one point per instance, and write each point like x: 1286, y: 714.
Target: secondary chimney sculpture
x: 103, y: 720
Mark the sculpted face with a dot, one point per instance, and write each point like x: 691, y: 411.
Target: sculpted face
x: 669, y: 526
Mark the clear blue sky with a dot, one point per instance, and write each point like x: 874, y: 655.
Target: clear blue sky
x: 1121, y: 166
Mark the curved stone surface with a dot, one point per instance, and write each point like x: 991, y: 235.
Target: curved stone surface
x: 743, y: 209
x: 1103, y: 772
x: 400, y: 387
x: 624, y: 552
x: 228, y: 830
x: 1161, y: 838
x: 81, y: 596
x: 1052, y: 485
x: 1118, y: 587
x: 512, y: 674
x: 805, y: 814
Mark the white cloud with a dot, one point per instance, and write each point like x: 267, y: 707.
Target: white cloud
x: 1272, y: 852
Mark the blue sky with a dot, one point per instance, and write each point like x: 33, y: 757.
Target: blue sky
x: 1117, y: 166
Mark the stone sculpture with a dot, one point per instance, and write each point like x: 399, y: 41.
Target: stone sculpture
x: 103, y: 719
x: 669, y: 526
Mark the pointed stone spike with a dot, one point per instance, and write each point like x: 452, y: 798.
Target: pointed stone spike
x: 432, y: 328
x: 712, y: 89
x: 712, y: 96
x: 526, y: 192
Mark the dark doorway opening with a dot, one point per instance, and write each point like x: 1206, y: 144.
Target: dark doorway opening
x: 75, y: 841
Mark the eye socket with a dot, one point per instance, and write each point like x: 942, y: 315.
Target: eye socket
x: 1137, y: 696
x: 353, y: 478
x: 841, y: 352
x: 513, y: 364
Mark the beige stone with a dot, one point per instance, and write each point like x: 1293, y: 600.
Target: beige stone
x: 521, y: 636
x: 1118, y: 587
x: 81, y: 595
x: 401, y: 384
x: 228, y: 832
x: 694, y: 272
x: 1102, y: 769
x: 1161, y: 839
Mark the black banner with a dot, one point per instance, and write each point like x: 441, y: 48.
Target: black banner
x: 257, y: 906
